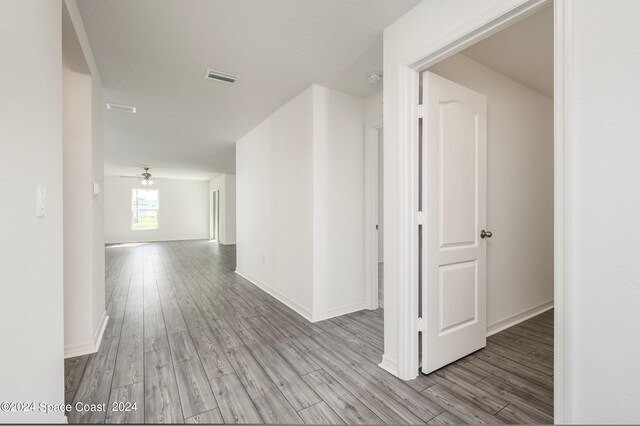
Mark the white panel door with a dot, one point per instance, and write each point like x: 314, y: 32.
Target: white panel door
x: 454, y: 186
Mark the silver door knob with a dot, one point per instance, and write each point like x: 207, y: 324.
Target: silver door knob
x: 485, y: 234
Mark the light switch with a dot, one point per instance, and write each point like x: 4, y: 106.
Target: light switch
x: 41, y: 203
x: 96, y: 189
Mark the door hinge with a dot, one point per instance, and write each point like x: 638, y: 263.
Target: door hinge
x: 420, y: 218
x: 420, y: 110
x: 421, y: 325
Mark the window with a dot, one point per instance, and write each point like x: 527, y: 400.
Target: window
x: 144, y: 209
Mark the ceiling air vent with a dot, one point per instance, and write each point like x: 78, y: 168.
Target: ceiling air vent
x: 220, y: 76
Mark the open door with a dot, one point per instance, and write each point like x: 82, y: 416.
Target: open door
x: 454, y: 186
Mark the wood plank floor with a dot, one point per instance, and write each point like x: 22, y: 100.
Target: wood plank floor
x: 189, y: 341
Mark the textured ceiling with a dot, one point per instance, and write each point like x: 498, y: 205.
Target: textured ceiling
x: 522, y: 52
x: 152, y: 54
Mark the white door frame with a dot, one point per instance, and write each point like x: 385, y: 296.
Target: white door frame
x: 507, y: 13
x: 371, y: 211
x: 214, y: 204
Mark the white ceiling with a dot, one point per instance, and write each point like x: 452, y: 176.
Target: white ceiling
x: 153, y: 54
x: 522, y: 52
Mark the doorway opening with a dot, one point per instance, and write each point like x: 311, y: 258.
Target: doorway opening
x: 374, y: 214
x: 486, y: 197
x: 215, y: 215
x: 380, y: 224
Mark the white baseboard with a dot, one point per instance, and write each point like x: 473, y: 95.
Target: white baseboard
x: 518, y: 318
x: 306, y: 314
x: 79, y: 349
x: 389, y: 365
x: 161, y: 240
x: 97, y: 337
x: 90, y: 346
x: 340, y: 310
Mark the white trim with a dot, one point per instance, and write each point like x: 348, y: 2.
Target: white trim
x: 301, y: 310
x: 389, y: 365
x: 79, y: 349
x: 518, y: 318
x: 306, y: 313
x: 108, y: 243
x: 408, y: 224
x: 505, y: 14
x: 340, y: 310
x: 371, y: 212
x: 90, y: 346
x: 97, y: 337
x: 564, y: 136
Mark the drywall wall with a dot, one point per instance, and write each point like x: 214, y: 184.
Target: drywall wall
x: 373, y: 107
x: 85, y: 315
x: 274, y: 172
x: 226, y: 185
x: 605, y: 262
x: 230, y: 209
x: 97, y: 165
x: 183, y: 214
x: 31, y: 293
x: 519, y: 190
x: 300, y: 196
x: 78, y: 226
x: 338, y: 203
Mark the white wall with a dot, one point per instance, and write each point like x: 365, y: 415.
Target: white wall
x: 300, y: 203
x: 373, y: 107
x: 519, y: 190
x: 230, y: 209
x: 226, y: 185
x: 183, y: 215
x: 83, y: 160
x: 338, y: 203
x: 274, y: 171
x: 31, y: 272
x: 605, y: 289
x: 78, y: 226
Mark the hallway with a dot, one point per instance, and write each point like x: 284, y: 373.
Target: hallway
x: 188, y: 340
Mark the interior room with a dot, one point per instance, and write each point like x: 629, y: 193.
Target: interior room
x: 319, y: 211
x: 514, y: 70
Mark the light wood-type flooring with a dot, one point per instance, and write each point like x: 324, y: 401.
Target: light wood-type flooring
x: 188, y: 340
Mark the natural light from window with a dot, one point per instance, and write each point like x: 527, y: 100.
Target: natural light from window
x: 144, y: 209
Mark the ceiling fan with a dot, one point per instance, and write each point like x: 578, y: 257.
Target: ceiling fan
x: 145, y: 177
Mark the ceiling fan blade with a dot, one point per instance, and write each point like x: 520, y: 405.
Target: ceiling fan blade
x: 140, y: 177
